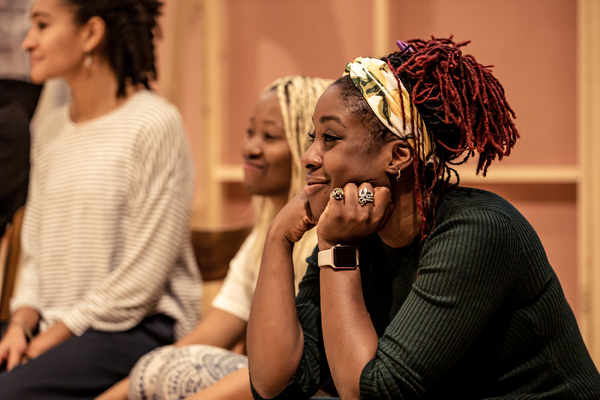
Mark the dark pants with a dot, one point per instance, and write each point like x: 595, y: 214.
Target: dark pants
x: 85, y: 366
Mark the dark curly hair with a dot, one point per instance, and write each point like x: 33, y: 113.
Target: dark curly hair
x: 463, y: 107
x: 129, y: 39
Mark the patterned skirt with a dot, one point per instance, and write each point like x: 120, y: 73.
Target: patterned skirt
x: 169, y: 372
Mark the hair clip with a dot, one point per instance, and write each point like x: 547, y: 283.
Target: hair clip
x: 403, y: 46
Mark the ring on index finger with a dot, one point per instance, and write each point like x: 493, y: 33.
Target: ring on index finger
x: 365, y: 196
x: 337, y: 194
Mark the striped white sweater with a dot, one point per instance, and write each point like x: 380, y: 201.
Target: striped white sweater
x: 106, y: 237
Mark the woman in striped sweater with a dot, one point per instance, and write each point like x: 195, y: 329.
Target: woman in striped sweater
x: 418, y: 288
x: 108, y: 272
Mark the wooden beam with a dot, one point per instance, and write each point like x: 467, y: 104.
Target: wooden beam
x: 212, y: 113
x: 521, y: 174
x: 381, y: 28
x: 588, y: 196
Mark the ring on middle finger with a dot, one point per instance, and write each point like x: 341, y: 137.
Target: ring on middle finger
x: 337, y: 194
x: 365, y: 196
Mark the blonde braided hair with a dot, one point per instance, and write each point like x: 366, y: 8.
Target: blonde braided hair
x: 297, y: 96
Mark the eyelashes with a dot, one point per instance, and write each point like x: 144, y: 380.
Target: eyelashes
x: 327, y: 137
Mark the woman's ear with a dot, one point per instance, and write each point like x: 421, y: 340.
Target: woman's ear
x: 401, y: 156
x: 93, y: 33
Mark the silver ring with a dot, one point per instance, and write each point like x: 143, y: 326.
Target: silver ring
x: 365, y: 196
x: 337, y: 194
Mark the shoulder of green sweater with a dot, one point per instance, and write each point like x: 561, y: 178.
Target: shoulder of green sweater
x: 460, y: 199
x: 489, y: 215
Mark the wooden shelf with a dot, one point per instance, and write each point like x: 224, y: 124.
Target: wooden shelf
x: 228, y: 173
x: 496, y: 174
x: 521, y: 174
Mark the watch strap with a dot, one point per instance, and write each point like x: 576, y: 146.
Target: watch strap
x: 326, y: 258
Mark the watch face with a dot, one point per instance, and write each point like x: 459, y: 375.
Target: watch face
x: 344, y: 256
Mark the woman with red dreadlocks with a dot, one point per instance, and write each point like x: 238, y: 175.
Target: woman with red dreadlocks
x: 418, y: 288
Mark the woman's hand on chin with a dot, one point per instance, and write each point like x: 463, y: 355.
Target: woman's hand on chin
x: 346, y: 221
x: 294, y: 219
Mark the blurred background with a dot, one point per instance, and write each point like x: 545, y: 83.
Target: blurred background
x: 217, y: 55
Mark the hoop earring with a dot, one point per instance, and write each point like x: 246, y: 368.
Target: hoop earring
x: 399, y: 176
x: 87, y: 61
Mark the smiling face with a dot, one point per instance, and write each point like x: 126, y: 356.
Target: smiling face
x: 267, y: 157
x: 54, y: 41
x: 342, y: 152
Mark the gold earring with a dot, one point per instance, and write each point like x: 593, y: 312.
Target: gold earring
x: 87, y: 61
x: 399, y: 176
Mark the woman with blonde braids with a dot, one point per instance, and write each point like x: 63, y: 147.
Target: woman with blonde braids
x: 277, y: 137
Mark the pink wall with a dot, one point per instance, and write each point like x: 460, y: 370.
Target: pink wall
x: 532, y: 45
x: 267, y: 39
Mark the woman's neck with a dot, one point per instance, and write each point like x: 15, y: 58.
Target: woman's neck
x: 405, y: 222
x: 94, y: 91
x: 279, y: 202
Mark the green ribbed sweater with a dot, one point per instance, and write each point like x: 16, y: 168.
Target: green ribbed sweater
x: 475, y: 311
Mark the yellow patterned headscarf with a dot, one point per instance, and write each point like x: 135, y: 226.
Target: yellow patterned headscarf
x: 378, y: 85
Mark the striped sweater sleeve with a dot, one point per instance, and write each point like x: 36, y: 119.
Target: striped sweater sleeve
x: 28, y: 283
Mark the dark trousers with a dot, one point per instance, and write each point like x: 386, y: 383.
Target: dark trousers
x: 85, y: 366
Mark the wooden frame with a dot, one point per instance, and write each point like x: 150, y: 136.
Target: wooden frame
x: 10, y: 271
x: 588, y: 193
x: 212, y: 81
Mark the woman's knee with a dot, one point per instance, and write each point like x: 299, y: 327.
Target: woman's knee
x: 145, y: 373
x: 180, y: 372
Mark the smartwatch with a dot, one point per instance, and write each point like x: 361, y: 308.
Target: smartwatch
x: 339, y: 257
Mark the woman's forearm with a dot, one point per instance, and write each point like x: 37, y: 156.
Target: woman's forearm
x: 27, y: 316
x: 275, y: 338
x: 48, y: 339
x: 218, y: 328
x: 348, y: 333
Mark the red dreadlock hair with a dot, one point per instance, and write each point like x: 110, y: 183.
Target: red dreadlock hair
x: 464, y: 109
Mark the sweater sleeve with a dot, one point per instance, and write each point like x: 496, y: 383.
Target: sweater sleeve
x: 158, y: 212
x: 313, y: 370
x: 468, y: 265
x: 27, y: 290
